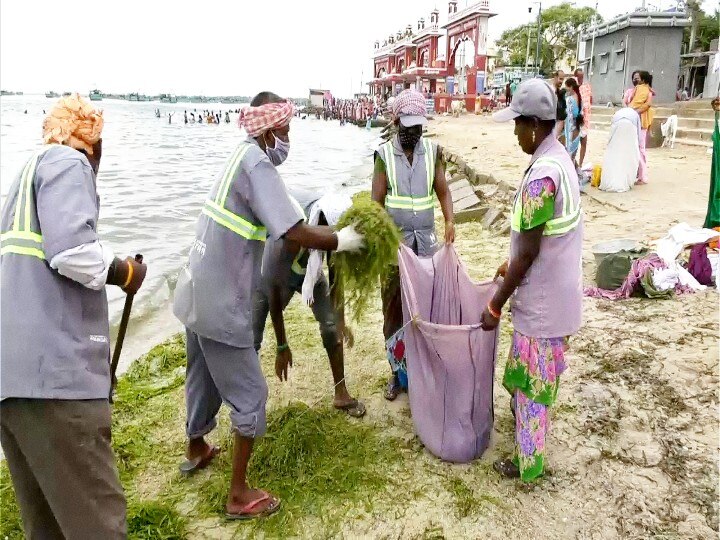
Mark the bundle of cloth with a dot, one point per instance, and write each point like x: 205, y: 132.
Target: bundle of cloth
x: 660, y: 273
x: 450, y: 359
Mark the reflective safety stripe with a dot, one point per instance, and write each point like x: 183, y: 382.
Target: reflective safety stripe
x: 409, y: 202
x: 215, y: 209
x: 571, y: 212
x: 21, y: 240
x: 233, y: 222
x: 230, y: 170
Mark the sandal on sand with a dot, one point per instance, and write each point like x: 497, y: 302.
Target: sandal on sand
x: 246, y: 512
x: 355, y: 408
x: 507, y: 468
x: 392, y: 391
x: 190, y: 466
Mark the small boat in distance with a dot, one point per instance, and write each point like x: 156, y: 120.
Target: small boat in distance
x: 66, y: 94
x: 51, y: 94
x: 168, y: 98
x: 96, y: 95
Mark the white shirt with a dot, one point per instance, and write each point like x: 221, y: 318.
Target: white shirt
x: 88, y: 264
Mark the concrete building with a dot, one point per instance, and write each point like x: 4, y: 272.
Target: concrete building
x: 649, y: 41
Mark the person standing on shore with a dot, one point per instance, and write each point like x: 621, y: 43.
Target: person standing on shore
x: 213, y: 297
x: 288, y: 269
x: 558, y: 82
x: 409, y: 173
x: 585, y: 92
x: 639, y: 98
x: 543, y: 276
x: 55, y: 352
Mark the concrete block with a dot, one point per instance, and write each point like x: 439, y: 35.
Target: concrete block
x: 463, y: 192
x: 491, y: 217
x: 465, y: 203
x: 471, y: 214
x: 460, y: 163
x: 457, y: 177
x: 502, y: 227
x: 486, y: 190
x: 484, y: 178
x: 459, y: 184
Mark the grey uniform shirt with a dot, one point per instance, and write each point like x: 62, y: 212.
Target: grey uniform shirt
x: 54, y: 340
x: 213, y: 297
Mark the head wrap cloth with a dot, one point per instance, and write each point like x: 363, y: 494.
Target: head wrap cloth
x: 257, y: 120
x: 73, y: 122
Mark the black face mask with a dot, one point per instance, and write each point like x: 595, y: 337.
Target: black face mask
x: 409, y: 137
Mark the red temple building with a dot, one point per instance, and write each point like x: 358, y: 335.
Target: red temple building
x: 416, y: 58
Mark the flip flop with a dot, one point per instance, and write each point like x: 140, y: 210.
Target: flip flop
x: 190, y: 466
x: 392, y: 390
x: 355, y: 408
x: 246, y: 512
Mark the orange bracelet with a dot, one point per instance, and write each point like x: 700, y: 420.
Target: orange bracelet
x: 496, y: 314
x: 129, y: 276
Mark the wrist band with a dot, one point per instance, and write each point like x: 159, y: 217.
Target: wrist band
x: 496, y: 314
x: 129, y: 276
x: 284, y: 347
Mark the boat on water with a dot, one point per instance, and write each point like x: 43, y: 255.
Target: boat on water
x: 51, y: 94
x: 168, y: 98
x: 134, y: 96
x: 66, y: 94
x: 198, y: 99
x: 96, y: 95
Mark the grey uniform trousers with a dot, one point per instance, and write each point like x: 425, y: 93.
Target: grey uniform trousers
x: 63, y: 468
x: 322, y: 308
x: 217, y: 373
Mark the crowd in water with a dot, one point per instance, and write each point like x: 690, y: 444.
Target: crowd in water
x: 201, y: 117
x: 351, y: 110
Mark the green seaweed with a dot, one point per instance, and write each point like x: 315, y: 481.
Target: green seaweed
x: 360, y: 272
x: 155, y: 521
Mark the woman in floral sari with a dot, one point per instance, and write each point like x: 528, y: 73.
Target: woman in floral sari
x: 542, y: 276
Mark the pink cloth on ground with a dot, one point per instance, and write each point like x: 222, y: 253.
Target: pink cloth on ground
x: 450, y: 359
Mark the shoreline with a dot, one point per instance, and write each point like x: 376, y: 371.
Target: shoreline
x: 634, y: 433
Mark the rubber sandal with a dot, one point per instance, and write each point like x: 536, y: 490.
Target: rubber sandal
x: 246, y: 511
x: 189, y: 466
x: 355, y: 408
x: 392, y: 391
x: 507, y: 468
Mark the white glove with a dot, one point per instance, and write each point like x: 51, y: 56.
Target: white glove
x: 349, y: 239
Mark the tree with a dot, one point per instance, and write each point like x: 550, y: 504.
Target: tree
x: 559, y: 28
x: 702, y: 31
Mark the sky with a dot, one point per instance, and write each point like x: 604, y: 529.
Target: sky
x: 219, y: 47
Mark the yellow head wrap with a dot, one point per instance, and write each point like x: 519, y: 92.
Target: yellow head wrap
x: 73, y: 122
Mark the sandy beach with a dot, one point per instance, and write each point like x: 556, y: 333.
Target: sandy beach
x: 633, y: 451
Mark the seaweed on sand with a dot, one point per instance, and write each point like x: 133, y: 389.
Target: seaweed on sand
x: 316, y: 460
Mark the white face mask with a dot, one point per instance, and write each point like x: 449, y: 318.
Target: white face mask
x: 279, y: 153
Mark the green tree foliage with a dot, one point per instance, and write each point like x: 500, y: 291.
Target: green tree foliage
x: 559, y: 25
x: 707, y: 29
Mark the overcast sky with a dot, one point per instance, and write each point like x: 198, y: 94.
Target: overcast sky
x: 217, y: 47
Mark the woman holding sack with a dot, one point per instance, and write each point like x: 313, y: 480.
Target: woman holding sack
x: 543, y: 276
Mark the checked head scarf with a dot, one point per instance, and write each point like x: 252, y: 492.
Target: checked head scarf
x: 257, y: 120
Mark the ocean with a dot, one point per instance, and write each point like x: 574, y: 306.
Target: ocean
x: 155, y: 175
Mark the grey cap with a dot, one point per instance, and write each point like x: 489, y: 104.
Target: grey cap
x: 535, y: 98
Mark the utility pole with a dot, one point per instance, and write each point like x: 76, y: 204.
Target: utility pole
x: 539, y: 34
x: 592, y: 46
x: 527, y: 54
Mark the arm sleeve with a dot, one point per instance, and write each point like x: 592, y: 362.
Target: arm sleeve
x: 538, y: 202
x: 88, y: 264
x: 269, y: 200
x: 67, y: 205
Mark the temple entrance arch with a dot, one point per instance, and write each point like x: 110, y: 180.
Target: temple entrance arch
x: 463, y: 59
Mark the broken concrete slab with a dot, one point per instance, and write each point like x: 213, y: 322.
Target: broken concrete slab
x: 459, y: 184
x: 484, y: 178
x: 461, y: 193
x: 465, y: 203
x: 491, y: 217
x: 457, y: 177
x: 486, y: 190
x: 471, y: 214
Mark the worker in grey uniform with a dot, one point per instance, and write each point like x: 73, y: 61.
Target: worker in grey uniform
x: 213, y: 298
x: 408, y: 174
x: 285, y: 273
x: 55, y: 347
